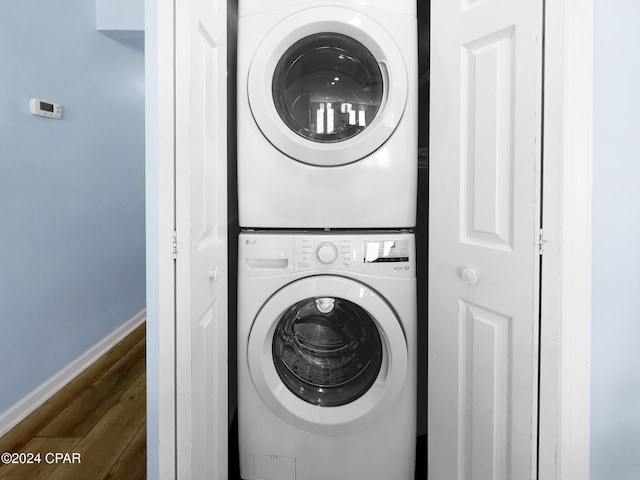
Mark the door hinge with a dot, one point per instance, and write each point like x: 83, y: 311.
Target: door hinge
x: 540, y: 241
x: 174, y: 248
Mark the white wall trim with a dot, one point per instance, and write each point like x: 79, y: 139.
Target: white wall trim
x: 566, y: 263
x: 46, y: 390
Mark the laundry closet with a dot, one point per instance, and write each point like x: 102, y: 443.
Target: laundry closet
x: 361, y: 205
x: 327, y: 149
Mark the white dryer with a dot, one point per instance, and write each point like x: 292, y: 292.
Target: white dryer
x: 327, y: 356
x: 327, y: 113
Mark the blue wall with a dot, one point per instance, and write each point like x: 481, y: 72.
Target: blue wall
x: 72, y: 267
x: 615, y: 382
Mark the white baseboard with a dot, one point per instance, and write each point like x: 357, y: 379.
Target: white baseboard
x: 41, y: 394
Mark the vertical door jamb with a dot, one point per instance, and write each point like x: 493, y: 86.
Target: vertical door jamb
x: 160, y: 225
x: 566, y: 260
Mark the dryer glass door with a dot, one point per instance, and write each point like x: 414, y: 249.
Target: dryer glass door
x: 327, y: 350
x: 327, y: 87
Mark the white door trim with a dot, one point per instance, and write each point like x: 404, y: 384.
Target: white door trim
x: 566, y: 261
x: 160, y: 224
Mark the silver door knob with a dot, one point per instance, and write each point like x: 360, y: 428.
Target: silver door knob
x: 469, y: 276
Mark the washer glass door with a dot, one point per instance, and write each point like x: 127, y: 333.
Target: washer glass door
x: 327, y: 354
x: 327, y: 350
x: 327, y: 87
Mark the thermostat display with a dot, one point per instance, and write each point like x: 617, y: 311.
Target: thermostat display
x: 45, y: 108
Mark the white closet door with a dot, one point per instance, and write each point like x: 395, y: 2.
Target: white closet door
x: 484, y: 204
x: 201, y: 219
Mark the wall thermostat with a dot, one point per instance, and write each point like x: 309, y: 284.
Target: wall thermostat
x: 45, y: 108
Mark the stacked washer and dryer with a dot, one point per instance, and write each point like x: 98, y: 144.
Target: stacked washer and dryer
x: 327, y: 185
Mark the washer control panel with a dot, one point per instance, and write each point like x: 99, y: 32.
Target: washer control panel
x: 388, y: 254
x: 380, y: 253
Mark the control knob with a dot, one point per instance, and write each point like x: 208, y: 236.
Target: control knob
x: 326, y: 253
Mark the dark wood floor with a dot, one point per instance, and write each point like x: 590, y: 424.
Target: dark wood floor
x: 100, y: 416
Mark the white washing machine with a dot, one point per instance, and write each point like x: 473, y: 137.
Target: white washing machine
x: 327, y: 113
x: 327, y: 356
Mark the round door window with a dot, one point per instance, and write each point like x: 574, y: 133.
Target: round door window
x: 327, y: 87
x: 327, y: 350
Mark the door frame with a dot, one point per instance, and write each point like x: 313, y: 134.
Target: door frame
x: 565, y: 310
x: 160, y: 224
x: 566, y: 261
